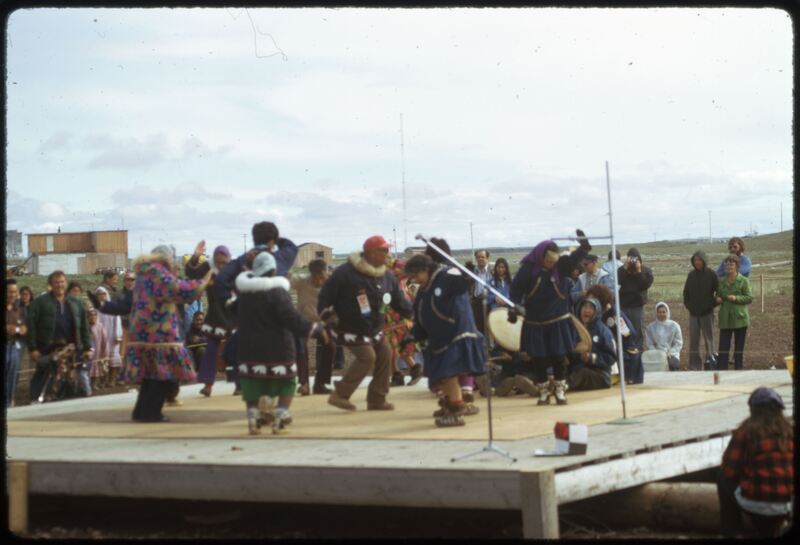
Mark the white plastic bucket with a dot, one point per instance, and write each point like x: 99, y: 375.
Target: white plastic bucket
x: 654, y: 361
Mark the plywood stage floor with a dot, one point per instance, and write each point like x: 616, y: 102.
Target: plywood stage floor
x: 514, y: 418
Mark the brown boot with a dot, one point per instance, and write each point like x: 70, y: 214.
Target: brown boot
x: 340, y: 402
x: 380, y: 406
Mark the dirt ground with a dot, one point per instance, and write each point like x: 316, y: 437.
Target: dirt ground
x: 104, y: 518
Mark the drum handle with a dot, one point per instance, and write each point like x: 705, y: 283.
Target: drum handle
x: 519, y: 308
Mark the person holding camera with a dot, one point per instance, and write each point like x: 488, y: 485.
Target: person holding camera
x: 634, y: 281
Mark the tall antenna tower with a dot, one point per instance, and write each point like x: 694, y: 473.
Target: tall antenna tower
x: 403, y: 179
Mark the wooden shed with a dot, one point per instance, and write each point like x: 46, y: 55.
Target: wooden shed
x: 101, y: 242
x: 310, y: 251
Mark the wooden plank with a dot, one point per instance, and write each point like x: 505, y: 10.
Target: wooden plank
x: 460, y: 489
x: 539, y: 505
x: 594, y: 480
x: 17, y: 497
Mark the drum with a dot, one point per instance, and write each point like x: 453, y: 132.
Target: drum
x: 585, y: 342
x: 508, y: 335
x: 505, y: 333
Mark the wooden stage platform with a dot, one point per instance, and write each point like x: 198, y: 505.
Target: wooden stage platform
x: 677, y: 423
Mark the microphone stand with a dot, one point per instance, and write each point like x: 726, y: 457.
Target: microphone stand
x: 490, y: 446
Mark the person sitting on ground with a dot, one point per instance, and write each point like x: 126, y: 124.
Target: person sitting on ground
x: 757, y: 472
x: 736, y: 247
x: 453, y: 344
x: 665, y: 335
x: 265, y: 355
x: 591, y: 370
x: 631, y: 355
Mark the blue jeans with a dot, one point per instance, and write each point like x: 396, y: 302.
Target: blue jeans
x: 13, y: 357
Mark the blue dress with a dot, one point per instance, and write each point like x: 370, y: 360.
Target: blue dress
x: 443, y: 317
x: 548, y: 330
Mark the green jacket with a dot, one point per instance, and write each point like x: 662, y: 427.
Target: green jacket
x: 734, y: 314
x: 41, y: 323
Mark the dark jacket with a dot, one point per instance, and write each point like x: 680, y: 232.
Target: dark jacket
x: 357, y: 279
x: 268, y: 323
x: 41, y: 322
x: 119, y: 307
x: 442, y: 311
x: 219, y: 320
x: 700, y: 289
x: 603, y: 353
x: 633, y: 286
x: 542, y: 298
x: 284, y: 258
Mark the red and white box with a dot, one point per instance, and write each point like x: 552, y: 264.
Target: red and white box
x: 571, y: 438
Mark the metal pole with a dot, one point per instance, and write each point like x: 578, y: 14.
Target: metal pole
x: 520, y: 309
x: 403, y: 179
x: 471, y: 239
x: 620, y: 357
x: 761, y: 278
x: 394, y: 232
x: 710, y: 241
x: 244, y: 241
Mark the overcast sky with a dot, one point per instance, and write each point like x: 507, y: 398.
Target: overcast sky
x: 181, y: 124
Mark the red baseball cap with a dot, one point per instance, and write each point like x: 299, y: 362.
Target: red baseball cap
x: 376, y: 241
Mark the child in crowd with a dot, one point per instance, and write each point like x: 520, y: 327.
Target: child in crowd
x: 266, y: 361
x: 757, y: 472
x: 196, y: 339
x: 99, y: 355
x: 665, y: 334
x: 113, y: 327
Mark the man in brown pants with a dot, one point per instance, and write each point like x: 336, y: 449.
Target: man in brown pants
x: 358, y: 293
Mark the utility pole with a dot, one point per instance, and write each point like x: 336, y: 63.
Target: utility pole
x: 471, y: 239
x: 403, y: 180
x: 244, y: 241
x: 394, y: 233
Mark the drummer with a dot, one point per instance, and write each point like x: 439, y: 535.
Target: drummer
x: 591, y: 369
x: 541, y: 285
x: 443, y: 319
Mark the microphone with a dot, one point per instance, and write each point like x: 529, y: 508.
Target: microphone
x: 420, y: 237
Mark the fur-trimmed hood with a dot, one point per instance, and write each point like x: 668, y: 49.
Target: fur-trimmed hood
x: 246, y: 282
x: 361, y: 265
x: 148, y: 259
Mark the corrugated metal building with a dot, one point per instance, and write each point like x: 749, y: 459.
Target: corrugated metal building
x: 78, y: 253
x: 13, y: 243
x: 310, y: 251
